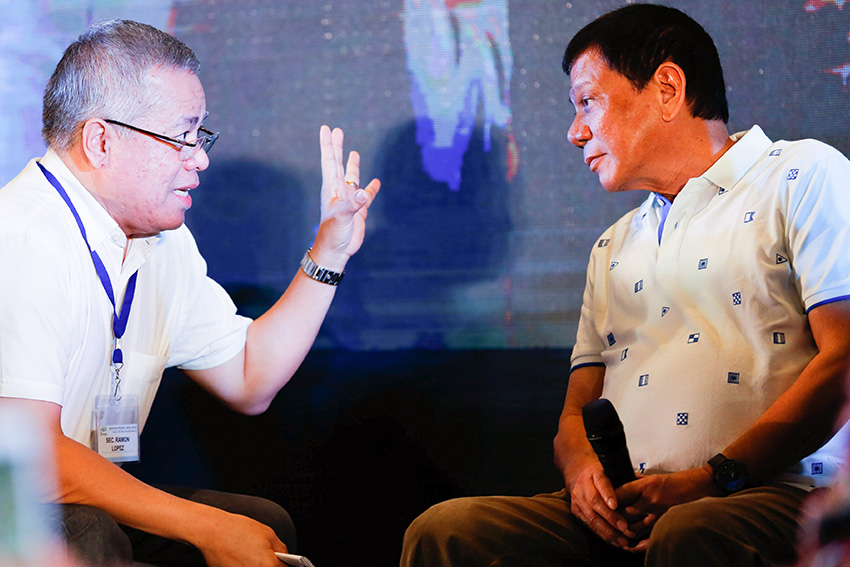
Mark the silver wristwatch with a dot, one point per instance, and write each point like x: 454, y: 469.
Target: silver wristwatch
x: 318, y: 273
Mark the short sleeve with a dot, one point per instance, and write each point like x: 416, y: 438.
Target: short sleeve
x: 588, y: 348
x: 818, y: 227
x: 35, y: 319
x: 210, y: 332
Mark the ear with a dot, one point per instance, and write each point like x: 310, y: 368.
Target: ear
x: 97, y: 141
x: 671, y: 82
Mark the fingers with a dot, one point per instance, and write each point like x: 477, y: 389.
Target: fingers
x: 610, y: 529
x: 330, y: 165
x: 639, y: 547
x: 342, y: 192
x: 352, y: 169
x: 333, y: 172
x: 366, y: 195
x: 331, y: 145
x: 605, y: 488
x: 336, y: 139
x: 592, y: 503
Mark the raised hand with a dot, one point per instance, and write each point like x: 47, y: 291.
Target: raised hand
x: 345, y: 204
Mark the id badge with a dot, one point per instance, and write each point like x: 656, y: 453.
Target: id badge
x: 116, y: 428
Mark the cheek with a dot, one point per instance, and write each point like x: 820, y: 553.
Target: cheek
x: 626, y: 140
x: 159, y: 179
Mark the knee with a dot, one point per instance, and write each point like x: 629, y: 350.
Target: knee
x: 443, y: 520
x: 453, y: 532
x: 682, y: 523
x: 95, y: 537
x: 697, y: 529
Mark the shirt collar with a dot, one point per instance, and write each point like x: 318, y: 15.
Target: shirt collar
x: 731, y: 167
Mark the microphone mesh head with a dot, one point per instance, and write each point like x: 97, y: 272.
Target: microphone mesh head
x: 600, y: 416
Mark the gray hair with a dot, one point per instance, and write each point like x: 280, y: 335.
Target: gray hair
x: 103, y: 75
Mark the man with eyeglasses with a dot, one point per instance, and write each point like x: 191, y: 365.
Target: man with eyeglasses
x: 102, y: 287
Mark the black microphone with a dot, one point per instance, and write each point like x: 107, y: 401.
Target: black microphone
x: 605, y: 433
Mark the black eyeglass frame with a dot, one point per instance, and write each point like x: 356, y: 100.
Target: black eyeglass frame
x: 209, y: 137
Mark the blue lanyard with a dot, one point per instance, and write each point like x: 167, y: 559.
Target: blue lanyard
x: 119, y: 320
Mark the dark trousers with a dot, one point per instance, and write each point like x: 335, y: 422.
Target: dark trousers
x: 97, y: 540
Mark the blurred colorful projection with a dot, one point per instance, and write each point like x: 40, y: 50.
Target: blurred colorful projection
x: 460, y: 60
x: 33, y: 36
x: 842, y: 71
x: 815, y: 5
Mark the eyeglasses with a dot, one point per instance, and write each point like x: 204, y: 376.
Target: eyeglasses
x: 205, y: 140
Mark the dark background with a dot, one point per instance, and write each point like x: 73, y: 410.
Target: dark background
x: 360, y: 443
x: 442, y: 365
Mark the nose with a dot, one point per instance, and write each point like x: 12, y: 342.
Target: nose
x: 579, y: 132
x: 199, y: 161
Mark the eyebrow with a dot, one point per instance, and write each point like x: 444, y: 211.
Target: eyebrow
x: 192, y: 120
x: 578, y: 85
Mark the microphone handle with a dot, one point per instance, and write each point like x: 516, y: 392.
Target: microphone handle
x: 618, y: 468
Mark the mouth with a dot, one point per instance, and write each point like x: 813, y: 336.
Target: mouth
x: 184, y: 191
x: 592, y: 161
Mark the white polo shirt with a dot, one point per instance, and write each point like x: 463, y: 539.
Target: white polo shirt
x: 700, y: 333
x: 56, y: 319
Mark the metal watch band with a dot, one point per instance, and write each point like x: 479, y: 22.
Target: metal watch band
x: 318, y: 273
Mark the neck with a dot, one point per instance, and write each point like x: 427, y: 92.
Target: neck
x: 94, y: 179
x: 701, y: 147
x: 85, y: 172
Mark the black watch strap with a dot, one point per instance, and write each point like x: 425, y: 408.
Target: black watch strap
x: 716, y: 461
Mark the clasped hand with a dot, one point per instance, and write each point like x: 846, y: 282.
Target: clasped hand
x: 624, y: 517
x: 344, y: 203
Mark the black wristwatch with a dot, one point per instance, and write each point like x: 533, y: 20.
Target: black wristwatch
x: 729, y: 476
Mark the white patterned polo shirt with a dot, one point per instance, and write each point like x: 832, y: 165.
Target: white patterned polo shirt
x: 701, y: 323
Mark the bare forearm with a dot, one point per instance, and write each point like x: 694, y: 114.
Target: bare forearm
x: 280, y: 339
x: 276, y: 345
x: 225, y: 539
x: 86, y: 478
x: 573, y: 452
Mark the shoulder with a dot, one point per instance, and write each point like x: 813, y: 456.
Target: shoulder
x: 31, y: 210
x: 805, y: 154
x: 177, y: 250
x: 179, y: 241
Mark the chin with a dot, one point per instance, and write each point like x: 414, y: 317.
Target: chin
x: 613, y: 185
x: 173, y: 226
x: 609, y: 186
x: 153, y: 231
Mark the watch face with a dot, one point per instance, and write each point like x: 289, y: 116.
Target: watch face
x: 731, y: 476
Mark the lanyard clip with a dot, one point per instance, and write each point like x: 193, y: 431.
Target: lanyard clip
x: 117, y: 364
x: 117, y: 354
